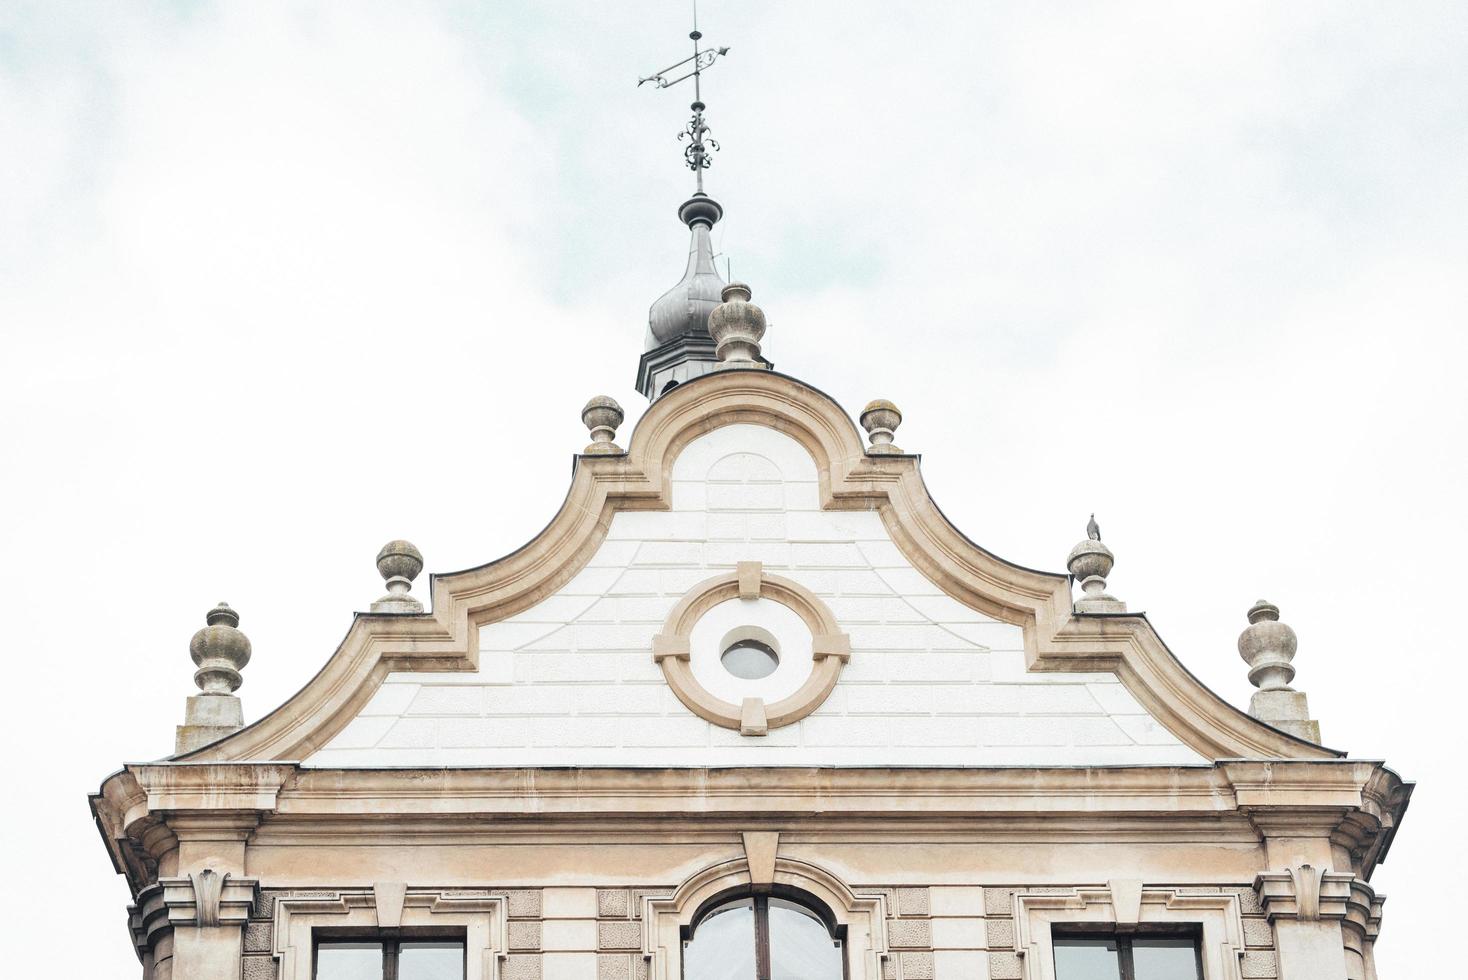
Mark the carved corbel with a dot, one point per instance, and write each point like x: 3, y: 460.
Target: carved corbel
x: 1304, y: 892
x: 208, y: 898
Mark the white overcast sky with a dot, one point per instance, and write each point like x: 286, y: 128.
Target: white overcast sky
x: 281, y: 282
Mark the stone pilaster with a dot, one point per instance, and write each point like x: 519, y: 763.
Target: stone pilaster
x: 192, y: 927
x: 1306, y: 905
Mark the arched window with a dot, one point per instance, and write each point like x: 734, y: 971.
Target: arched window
x: 781, y: 935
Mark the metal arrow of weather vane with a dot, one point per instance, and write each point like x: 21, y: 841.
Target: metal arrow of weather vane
x: 696, y: 153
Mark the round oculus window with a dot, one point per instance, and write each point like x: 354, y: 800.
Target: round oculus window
x: 750, y: 659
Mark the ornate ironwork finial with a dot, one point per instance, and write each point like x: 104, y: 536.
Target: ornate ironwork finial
x: 700, y: 144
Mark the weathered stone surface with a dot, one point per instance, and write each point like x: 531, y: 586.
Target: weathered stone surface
x: 917, y: 966
x: 612, y: 903
x: 1000, y: 933
x: 1259, y: 965
x: 1248, y: 901
x: 525, y: 935
x: 638, y: 894
x: 257, y: 968
x: 522, y: 903
x: 1004, y: 966
x: 619, y: 935
x: 257, y: 937
x: 264, y: 907
x: 909, y: 933
x: 613, y: 966
x: 1258, y: 932
x: 523, y: 966
x: 912, y: 901
x: 999, y: 901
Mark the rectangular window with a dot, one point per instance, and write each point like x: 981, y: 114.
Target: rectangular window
x: 390, y: 959
x: 1132, y: 957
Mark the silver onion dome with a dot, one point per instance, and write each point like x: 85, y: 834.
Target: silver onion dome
x: 684, y: 309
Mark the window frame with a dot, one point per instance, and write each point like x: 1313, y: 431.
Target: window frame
x: 1129, y: 907
x: 1126, y: 965
x: 390, y: 940
x: 760, y: 899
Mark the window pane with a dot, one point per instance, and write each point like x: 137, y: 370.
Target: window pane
x: 800, y: 946
x: 431, y: 961
x: 349, y: 961
x: 1165, y: 959
x: 722, y: 947
x: 1086, y: 959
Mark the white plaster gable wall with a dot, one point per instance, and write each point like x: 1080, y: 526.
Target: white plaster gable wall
x: 572, y: 680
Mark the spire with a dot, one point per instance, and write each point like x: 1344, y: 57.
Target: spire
x: 678, y: 345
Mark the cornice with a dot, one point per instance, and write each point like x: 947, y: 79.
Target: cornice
x: 1275, y: 796
x: 144, y: 810
x: 1056, y: 638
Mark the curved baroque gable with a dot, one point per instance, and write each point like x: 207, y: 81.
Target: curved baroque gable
x: 546, y: 657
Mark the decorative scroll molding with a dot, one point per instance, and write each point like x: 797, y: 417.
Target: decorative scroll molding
x: 831, y: 649
x: 849, y: 479
x: 1218, y: 913
x: 483, y: 918
x: 664, y: 918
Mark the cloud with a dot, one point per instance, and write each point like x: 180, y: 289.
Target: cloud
x: 280, y: 282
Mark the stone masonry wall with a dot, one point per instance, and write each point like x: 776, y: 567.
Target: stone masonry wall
x: 1259, y: 960
x: 933, y: 933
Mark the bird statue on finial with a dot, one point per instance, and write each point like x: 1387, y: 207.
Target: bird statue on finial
x: 1093, y: 530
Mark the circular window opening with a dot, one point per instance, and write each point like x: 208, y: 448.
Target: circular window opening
x: 750, y: 653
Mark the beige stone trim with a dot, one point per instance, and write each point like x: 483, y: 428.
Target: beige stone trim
x: 483, y: 919
x: 1306, y: 893
x: 760, y: 850
x: 864, y: 916
x: 831, y: 649
x: 145, y: 809
x: 207, y: 898
x: 1055, y: 637
x: 1218, y: 913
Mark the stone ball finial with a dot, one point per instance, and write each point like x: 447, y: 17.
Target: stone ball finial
x: 220, y: 651
x: 881, y: 418
x: 737, y: 326
x: 602, y: 415
x: 399, y: 563
x: 1090, y: 563
x: 1268, y: 647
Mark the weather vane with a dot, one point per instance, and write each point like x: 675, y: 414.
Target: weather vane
x: 696, y: 153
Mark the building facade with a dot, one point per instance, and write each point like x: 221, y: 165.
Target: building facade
x: 750, y: 706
